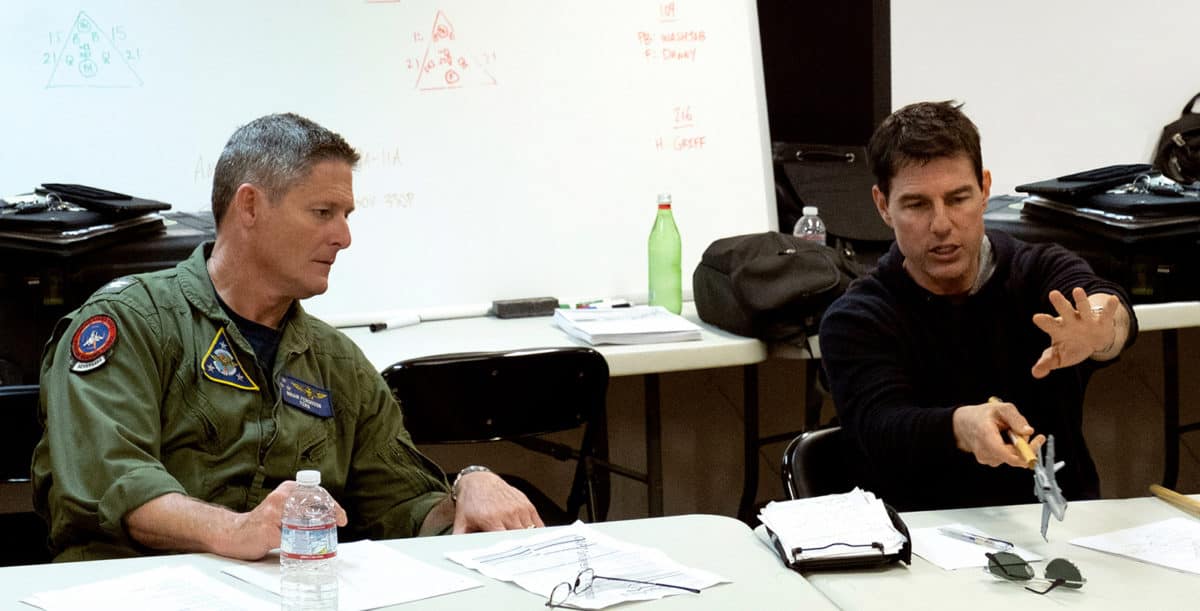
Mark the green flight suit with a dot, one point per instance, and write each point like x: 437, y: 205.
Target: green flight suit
x: 144, y: 417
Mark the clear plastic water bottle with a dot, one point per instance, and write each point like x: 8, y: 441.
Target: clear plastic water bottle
x: 666, y: 281
x: 810, y: 226
x: 308, y: 547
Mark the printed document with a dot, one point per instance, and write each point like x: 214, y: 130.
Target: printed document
x: 1173, y: 543
x: 370, y: 575
x: 540, y: 562
x: 633, y: 325
x: 172, y: 587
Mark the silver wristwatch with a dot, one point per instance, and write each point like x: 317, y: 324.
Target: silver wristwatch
x: 458, y: 478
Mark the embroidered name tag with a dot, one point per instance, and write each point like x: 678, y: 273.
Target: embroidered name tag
x: 221, y: 364
x: 305, y: 397
x: 92, y: 339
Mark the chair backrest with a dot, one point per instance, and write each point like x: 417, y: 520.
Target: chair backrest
x: 813, y: 464
x: 485, y: 396
x: 19, y: 412
x: 25, y: 533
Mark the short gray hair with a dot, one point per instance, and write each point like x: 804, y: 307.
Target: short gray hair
x: 273, y: 153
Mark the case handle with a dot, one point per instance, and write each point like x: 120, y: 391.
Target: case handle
x: 1189, y: 108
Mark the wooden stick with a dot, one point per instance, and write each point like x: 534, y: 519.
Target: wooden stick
x: 1020, y: 443
x: 1184, y: 503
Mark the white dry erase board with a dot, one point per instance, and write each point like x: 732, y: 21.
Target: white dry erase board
x: 1055, y: 87
x: 510, y: 149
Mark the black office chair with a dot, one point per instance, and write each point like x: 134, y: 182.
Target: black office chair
x: 516, y: 396
x: 813, y: 465
x: 25, y: 539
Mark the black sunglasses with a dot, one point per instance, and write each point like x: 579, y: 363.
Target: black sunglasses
x: 1059, y: 572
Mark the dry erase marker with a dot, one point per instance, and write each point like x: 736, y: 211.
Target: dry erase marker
x: 395, y: 323
x: 962, y: 535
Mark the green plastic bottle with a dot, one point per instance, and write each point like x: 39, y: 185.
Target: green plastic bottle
x: 666, y: 283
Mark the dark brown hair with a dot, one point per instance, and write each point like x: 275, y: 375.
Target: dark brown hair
x: 920, y: 133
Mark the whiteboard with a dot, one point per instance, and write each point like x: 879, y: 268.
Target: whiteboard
x: 510, y: 149
x: 1055, y: 87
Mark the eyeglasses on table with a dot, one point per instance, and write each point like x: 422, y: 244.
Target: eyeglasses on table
x: 1059, y: 572
x: 583, y: 583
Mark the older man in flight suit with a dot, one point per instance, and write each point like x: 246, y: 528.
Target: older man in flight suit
x: 177, y: 405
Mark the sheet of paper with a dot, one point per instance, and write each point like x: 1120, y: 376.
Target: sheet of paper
x: 1173, y: 543
x: 370, y: 575
x: 950, y: 553
x: 540, y: 562
x: 178, y: 587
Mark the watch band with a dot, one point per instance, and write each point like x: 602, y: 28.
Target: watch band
x: 465, y: 470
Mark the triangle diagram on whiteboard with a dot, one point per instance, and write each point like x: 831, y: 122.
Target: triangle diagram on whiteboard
x: 446, y: 65
x: 90, y: 59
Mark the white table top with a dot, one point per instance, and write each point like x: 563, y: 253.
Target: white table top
x: 1113, y: 582
x: 1174, y: 315
x: 719, y: 544
x: 716, y: 348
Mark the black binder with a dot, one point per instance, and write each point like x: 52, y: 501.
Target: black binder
x: 866, y: 560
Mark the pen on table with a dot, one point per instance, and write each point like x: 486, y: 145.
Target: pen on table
x: 969, y: 537
x: 603, y: 304
x: 395, y: 323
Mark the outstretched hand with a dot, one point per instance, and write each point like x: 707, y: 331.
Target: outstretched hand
x: 1079, y: 330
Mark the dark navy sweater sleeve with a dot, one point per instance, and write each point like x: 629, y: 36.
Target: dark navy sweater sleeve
x: 901, y: 360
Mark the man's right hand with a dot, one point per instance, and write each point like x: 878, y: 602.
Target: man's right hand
x: 175, y: 522
x: 980, y: 430
x: 257, y: 531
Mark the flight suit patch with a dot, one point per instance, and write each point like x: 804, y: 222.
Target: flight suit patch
x: 95, y: 337
x: 221, y: 364
x: 305, y: 397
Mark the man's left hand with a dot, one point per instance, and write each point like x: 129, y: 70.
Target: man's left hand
x: 486, y: 502
x: 1078, y: 331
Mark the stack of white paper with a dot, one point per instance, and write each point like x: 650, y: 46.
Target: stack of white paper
x: 634, y: 325
x: 835, y: 525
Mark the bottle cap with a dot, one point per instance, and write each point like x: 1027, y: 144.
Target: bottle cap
x: 308, y: 477
x: 810, y: 211
x: 664, y: 198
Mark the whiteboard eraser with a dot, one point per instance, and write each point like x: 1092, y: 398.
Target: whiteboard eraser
x: 521, y: 308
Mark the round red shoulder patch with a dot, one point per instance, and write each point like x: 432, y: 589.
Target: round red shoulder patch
x: 93, y: 338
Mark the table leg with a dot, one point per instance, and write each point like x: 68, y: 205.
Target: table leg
x: 751, y: 443
x: 654, y: 472
x: 1170, y: 344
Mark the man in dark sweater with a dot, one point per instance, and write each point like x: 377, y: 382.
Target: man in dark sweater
x: 954, y: 315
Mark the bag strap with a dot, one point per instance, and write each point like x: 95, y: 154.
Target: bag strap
x: 819, y: 155
x: 1190, y: 107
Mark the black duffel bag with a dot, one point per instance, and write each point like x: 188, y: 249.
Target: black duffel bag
x: 773, y: 286
x: 1178, y: 151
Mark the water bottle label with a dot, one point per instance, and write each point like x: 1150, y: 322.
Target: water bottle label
x: 308, y: 542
